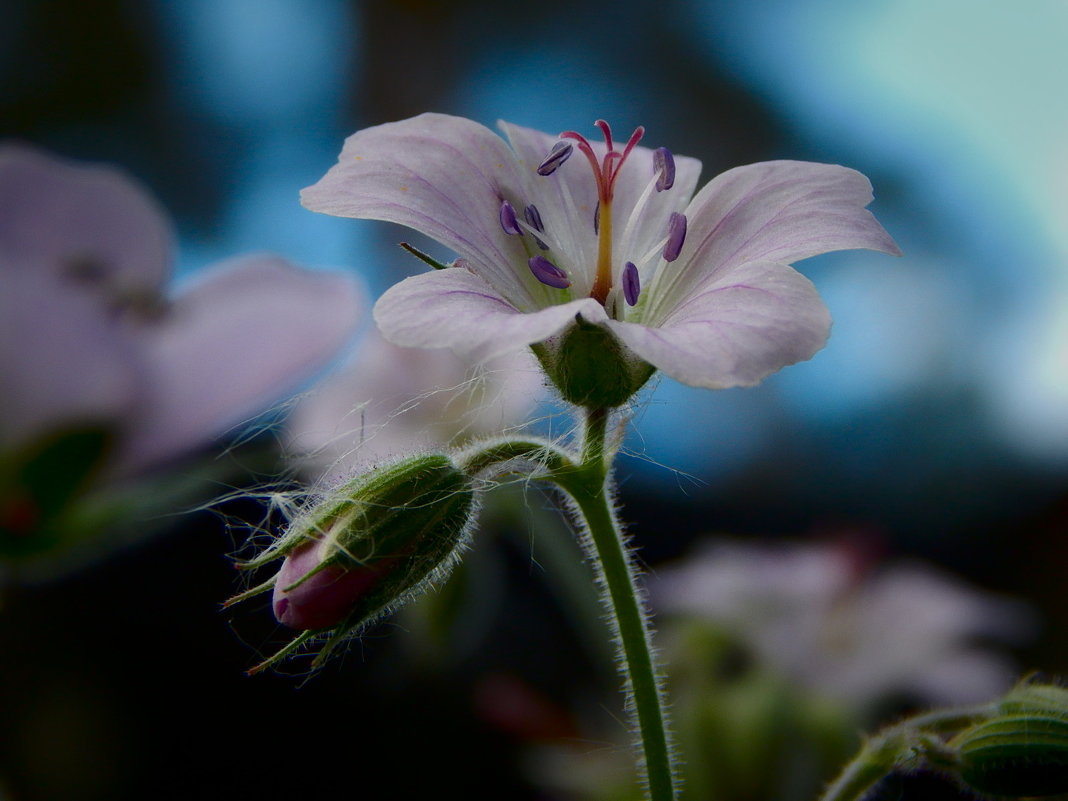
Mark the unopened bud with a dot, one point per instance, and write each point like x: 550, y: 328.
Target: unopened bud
x: 320, y: 597
x: 1034, y: 697
x: 369, y: 546
x: 1016, y: 754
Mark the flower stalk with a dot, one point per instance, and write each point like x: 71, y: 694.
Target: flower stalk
x: 585, y: 479
x: 602, y: 536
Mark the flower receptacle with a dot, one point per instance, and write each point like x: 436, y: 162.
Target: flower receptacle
x: 591, y: 367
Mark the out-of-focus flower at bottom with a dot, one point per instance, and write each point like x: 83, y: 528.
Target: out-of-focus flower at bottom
x: 107, y: 376
x: 855, y: 632
x: 778, y: 655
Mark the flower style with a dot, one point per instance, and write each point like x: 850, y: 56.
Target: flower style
x: 614, y: 242
x: 91, y: 337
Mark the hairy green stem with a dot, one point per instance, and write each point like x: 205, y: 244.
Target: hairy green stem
x: 494, y: 453
x: 876, y: 760
x: 587, y: 485
x: 905, y: 745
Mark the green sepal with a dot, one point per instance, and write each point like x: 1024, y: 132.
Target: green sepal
x: 424, y: 257
x: 591, y: 367
x: 408, y: 522
x: 1033, y: 697
x: 1024, y: 754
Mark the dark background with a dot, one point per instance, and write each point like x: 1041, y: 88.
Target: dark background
x: 936, y: 422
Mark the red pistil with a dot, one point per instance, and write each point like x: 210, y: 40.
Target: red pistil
x: 607, y: 170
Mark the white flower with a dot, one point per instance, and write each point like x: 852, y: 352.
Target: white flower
x: 860, y: 638
x: 90, y: 336
x: 696, y: 285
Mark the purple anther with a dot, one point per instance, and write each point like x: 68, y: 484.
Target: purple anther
x: 558, y: 155
x: 548, y: 273
x: 632, y: 286
x: 664, y: 166
x: 508, y: 219
x: 534, y: 219
x: 676, y: 234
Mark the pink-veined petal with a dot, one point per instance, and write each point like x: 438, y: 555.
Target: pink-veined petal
x: 81, y: 222
x: 456, y: 309
x: 777, y: 211
x: 248, y: 332
x: 443, y: 176
x: 735, y: 331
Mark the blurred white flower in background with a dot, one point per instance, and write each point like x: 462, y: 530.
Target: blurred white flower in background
x: 782, y: 653
x: 107, y: 375
x: 818, y: 615
x: 389, y: 401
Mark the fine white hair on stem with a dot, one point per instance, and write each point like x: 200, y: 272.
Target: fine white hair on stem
x: 586, y: 540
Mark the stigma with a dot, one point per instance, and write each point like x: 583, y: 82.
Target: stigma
x: 605, y: 170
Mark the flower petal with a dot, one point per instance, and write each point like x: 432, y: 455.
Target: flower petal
x: 442, y: 176
x: 66, y: 217
x: 245, y: 334
x: 759, y: 318
x: 456, y: 309
x: 62, y: 361
x: 778, y: 211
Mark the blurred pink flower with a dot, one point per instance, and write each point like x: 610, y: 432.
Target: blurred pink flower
x: 91, y: 336
x: 808, y: 612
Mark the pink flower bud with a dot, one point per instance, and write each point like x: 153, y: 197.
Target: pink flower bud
x: 324, y: 598
x: 365, y: 548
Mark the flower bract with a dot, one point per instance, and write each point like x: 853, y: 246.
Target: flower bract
x: 556, y: 231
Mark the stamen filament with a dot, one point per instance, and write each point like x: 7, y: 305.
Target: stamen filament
x: 636, y: 214
x: 544, y: 241
x: 656, y: 252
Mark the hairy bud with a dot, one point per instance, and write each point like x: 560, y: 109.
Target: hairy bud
x: 1022, y: 750
x: 368, y: 547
